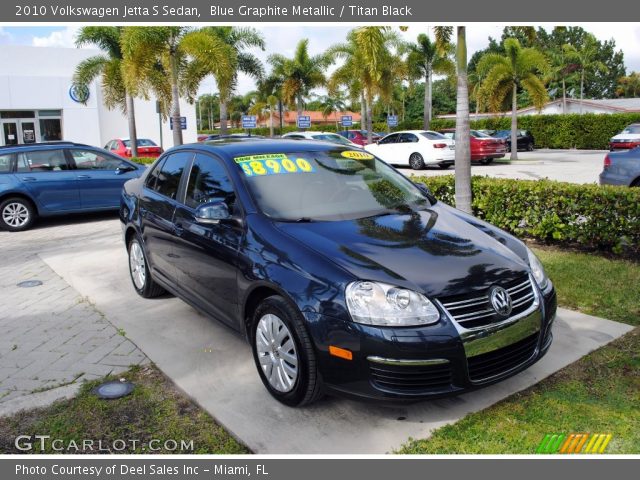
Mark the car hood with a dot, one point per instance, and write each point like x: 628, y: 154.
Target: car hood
x: 432, y: 251
x: 627, y: 136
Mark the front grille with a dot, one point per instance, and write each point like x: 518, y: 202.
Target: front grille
x: 499, y: 361
x: 411, y: 378
x: 473, y: 311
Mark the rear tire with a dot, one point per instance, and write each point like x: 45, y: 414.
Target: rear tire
x: 139, y: 270
x: 444, y: 166
x: 16, y: 214
x: 284, y: 353
x: 486, y: 161
x: 529, y: 147
x: 416, y: 161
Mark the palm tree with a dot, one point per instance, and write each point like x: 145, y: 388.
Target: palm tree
x: 299, y: 74
x: 629, y: 86
x: 160, y: 56
x: 265, y: 100
x: 558, y: 71
x: 586, y: 58
x: 333, y: 103
x: 505, y: 74
x: 425, y: 59
x: 237, y: 39
x: 109, y: 67
x: 463, y: 148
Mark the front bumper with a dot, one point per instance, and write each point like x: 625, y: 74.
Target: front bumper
x: 414, y: 363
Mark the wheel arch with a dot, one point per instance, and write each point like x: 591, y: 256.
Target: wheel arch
x: 24, y: 196
x: 254, y: 298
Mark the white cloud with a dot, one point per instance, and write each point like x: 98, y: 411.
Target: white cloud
x: 5, y: 37
x: 58, y: 38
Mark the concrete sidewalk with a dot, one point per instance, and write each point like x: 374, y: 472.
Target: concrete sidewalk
x: 215, y: 367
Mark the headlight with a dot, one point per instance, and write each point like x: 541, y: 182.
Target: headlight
x: 380, y: 304
x: 537, y: 270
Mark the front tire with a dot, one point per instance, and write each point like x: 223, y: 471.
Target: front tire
x: 284, y: 354
x: 416, y: 161
x: 529, y: 147
x: 444, y: 166
x: 139, y: 271
x: 16, y: 214
x: 486, y: 161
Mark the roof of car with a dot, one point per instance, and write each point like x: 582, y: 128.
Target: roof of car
x: 240, y: 147
x: 42, y: 145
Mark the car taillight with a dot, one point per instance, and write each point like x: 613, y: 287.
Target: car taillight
x: 439, y: 145
x: 607, y: 161
x: 127, y: 152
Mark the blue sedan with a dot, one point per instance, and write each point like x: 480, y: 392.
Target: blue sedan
x: 621, y: 168
x: 58, y: 178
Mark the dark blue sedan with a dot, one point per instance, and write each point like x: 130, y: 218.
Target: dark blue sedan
x: 58, y: 178
x: 343, y: 275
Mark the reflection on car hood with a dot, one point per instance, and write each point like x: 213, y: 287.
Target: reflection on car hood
x: 432, y: 251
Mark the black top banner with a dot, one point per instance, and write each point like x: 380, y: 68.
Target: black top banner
x: 306, y: 11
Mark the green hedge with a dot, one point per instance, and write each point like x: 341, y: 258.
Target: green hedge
x: 143, y: 160
x: 588, y: 131
x: 591, y: 216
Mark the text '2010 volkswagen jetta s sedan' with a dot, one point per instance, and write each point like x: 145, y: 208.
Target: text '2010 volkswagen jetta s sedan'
x: 345, y: 277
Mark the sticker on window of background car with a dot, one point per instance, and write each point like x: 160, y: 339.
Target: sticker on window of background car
x: 357, y: 155
x: 273, y: 164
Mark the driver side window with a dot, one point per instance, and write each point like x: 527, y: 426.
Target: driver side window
x: 389, y: 139
x: 209, y: 182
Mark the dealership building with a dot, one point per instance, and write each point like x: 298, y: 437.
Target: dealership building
x: 38, y: 103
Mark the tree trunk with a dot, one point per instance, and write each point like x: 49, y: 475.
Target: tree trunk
x: 369, y: 119
x: 425, y: 110
x: 564, y: 97
x: 131, y: 119
x: 270, y: 121
x: 514, y: 123
x: 223, y: 116
x: 429, y: 88
x: 300, y: 108
x: 363, y: 111
x: 463, y: 147
x: 175, y: 101
x: 581, y: 89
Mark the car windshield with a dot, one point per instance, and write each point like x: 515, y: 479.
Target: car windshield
x: 141, y: 142
x: 433, y: 135
x: 330, y: 137
x: 477, y: 134
x: 328, y: 185
x: 502, y: 133
x: 632, y: 129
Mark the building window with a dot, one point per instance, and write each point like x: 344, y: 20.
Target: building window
x: 50, y: 129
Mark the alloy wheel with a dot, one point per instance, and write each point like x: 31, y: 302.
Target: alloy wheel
x: 277, y: 353
x: 137, y: 265
x: 15, y: 214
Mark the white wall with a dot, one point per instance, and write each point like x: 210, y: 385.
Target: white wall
x: 38, y: 78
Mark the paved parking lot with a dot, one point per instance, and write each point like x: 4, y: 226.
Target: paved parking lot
x: 575, y: 166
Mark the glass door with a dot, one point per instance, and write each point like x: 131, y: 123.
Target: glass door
x: 28, y: 129
x: 10, y: 133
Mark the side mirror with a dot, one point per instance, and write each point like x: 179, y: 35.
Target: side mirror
x: 212, y: 213
x: 124, y: 168
x: 425, y: 191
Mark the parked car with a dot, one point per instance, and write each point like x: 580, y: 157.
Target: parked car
x: 525, y: 139
x: 323, y: 136
x: 621, y: 168
x: 359, y: 137
x: 43, y: 179
x: 122, y: 147
x: 484, y: 148
x: 345, y: 277
x: 206, y: 138
x: 232, y: 136
x: 627, y: 139
x: 415, y: 148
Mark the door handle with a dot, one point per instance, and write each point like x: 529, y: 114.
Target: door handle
x: 29, y: 179
x: 83, y: 177
x: 178, y: 229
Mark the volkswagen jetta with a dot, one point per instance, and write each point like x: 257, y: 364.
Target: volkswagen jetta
x: 345, y: 277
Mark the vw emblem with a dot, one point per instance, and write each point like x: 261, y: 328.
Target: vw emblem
x: 79, y: 93
x: 501, y: 301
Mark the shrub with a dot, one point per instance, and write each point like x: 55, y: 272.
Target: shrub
x: 591, y: 216
x: 588, y: 131
x: 143, y: 160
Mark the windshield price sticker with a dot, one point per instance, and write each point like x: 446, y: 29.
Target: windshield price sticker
x: 272, y: 164
x: 357, y: 155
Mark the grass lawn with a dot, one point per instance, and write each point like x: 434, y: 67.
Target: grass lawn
x: 598, y: 394
x: 155, y: 410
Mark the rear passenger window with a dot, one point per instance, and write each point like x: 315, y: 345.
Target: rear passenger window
x: 170, y: 172
x: 42, y: 161
x: 5, y: 163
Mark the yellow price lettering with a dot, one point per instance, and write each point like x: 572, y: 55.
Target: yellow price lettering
x: 303, y: 165
x: 258, y: 168
x: 247, y: 169
x: 273, y: 165
x: 288, y: 165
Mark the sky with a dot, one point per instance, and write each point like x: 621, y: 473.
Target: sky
x: 283, y: 39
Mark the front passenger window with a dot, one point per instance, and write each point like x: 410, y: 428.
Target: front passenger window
x: 168, y: 179
x: 209, y: 182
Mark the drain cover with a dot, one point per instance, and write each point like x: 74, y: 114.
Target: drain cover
x: 30, y: 283
x: 111, y: 390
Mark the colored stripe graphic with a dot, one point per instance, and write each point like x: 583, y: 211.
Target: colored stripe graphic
x: 574, y: 443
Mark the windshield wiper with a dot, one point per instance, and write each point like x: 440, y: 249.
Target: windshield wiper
x: 303, y: 220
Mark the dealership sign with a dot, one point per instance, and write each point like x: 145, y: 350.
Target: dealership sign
x: 392, y: 120
x: 79, y: 93
x: 183, y: 123
x: 304, y: 121
x: 346, y: 120
x: 249, y: 121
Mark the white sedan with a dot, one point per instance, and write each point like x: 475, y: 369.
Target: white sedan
x: 322, y: 136
x: 416, y: 148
